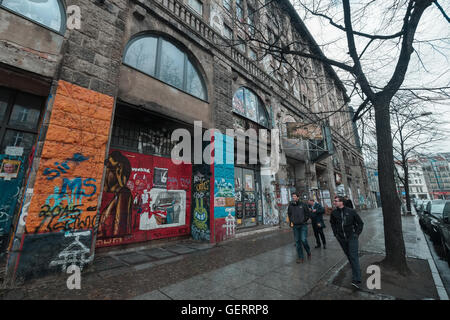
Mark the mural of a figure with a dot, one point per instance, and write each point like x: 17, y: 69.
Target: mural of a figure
x: 116, y: 218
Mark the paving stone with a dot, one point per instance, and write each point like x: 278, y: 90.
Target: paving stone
x: 157, y: 253
x: 105, y: 263
x: 180, y: 249
x: 196, y: 288
x: 134, y: 258
x: 199, y: 246
x: 114, y: 272
x: 152, y: 295
x: 256, y: 291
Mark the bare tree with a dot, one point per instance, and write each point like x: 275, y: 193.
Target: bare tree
x: 414, y: 128
x: 371, y: 52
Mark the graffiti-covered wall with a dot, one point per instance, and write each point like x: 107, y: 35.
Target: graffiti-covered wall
x: 271, y: 213
x: 224, y: 194
x: 201, y: 195
x: 145, y: 197
x: 11, y: 175
x: 68, y: 180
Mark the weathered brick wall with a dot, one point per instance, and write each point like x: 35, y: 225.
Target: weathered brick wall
x: 93, y: 53
x: 223, y: 117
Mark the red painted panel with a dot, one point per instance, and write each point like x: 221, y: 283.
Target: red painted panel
x: 145, y: 197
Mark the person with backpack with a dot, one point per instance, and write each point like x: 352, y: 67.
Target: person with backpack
x: 317, y: 222
x: 298, y: 213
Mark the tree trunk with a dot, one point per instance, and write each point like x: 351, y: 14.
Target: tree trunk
x: 407, y: 196
x: 393, y: 235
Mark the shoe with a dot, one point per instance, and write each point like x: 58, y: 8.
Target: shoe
x: 300, y: 260
x: 356, y: 284
x: 309, y: 256
x: 318, y: 246
x: 324, y: 247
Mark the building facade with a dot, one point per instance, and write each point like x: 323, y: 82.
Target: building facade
x: 436, y: 170
x: 374, y: 187
x: 417, y: 184
x: 92, y: 94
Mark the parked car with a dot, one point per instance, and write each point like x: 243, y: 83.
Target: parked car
x: 436, y: 223
x: 420, y: 212
x: 417, y: 202
x: 444, y: 229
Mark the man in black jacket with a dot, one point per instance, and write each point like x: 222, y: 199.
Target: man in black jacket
x: 348, y: 203
x: 347, y: 226
x: 298, y: 213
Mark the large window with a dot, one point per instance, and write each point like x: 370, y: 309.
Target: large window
x: 20, y: 115
x: 239, y: 10
x: 247, y: 104
x: 161, y: 59
x: 196, y: 5
x: 49, y: 13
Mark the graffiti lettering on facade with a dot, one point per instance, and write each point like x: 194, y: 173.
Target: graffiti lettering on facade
x: 63, y: 167
x: 224, y: 189
x: 230, y: 223
x: 63, y: 209
x: 74, y: 254
x: 65, y: 218
x: 200, y: 229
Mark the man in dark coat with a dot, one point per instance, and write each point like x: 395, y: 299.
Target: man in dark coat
x: 348, y: 203
x: 347, y: 226
x: 317, y: 222
x: 298, y: 213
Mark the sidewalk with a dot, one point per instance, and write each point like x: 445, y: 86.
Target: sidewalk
x: 250, y: 267
x: 423, y: 284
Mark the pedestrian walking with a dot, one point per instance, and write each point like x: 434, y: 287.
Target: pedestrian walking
x: 348, y: 203
x: 298, y: 213
x: 347, y: 226
x: 317, y: 222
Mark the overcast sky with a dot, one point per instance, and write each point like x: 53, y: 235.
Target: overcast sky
x: 431, y: 70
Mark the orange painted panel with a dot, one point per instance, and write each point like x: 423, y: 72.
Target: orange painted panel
x: 68, y: 181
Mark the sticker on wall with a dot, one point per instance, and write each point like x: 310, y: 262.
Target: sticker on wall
x: 248, y: 182
x: 160, y: 178
x: 14, y: 151
x: 9, y: 169
x: 219, y: 202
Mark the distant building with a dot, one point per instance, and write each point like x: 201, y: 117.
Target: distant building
x: 374, y: 188
x: 437, y: 175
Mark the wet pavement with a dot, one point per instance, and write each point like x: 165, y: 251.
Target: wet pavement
x: 251, y: 267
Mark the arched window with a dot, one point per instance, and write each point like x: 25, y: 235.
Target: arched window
x: 162, y: 60
x: 49, y: 13
x: 247, y: 104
